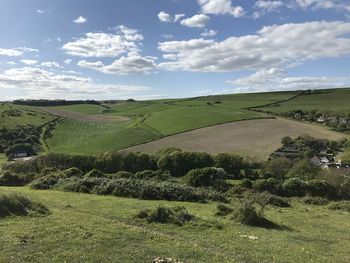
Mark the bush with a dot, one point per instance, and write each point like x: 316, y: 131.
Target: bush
x: 180, y: 163
x: 294, y: 187
x: 312, y: 200
x: 206, y: 177
x: 122, y: 174
x: 44, y: 183
x: 150, y: 174
x: 164, y: 215
x: 342, y: 205
x: 231, y: 163
x: 320, y: 188
x: 246, y: 183
x: 304, y: 170
x: 269, y: 199
x: 10, y: 179
x: 95, y: 173
x: 223, y: 210
x: 268, y: 185
x: 18, y: 205
x: 72, y: 172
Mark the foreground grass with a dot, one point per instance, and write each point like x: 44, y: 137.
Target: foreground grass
x: 89, y: 228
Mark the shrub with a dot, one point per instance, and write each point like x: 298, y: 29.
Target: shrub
x: 10, y: 179
x: 18, y: 205
x: 122, y: 174
x: 150, y: 174
x: 279, y: 167
x: 304, y: 170
x: 312, y: 200
x: 44, y: 183
x: 72, y: 172
x: 341, y: 205
x: 180, y: 163
x: 320, y: 188
x: 269, y: 199
x: 164, y: 215
x: 95, y: 173
x: 246, y: 183
x: 249, y: 212
x: 206, y: 177
x: 267, y: 185
x: 223, y: 210
x: 294, y: 187
x: 231, y: 163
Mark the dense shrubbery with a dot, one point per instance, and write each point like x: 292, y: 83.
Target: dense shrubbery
x: 164, y: 215
x: 44, y: 103
x: 207, y: 177
x: 18, y: 205
x: 342, y: 206
x: 312, y: 200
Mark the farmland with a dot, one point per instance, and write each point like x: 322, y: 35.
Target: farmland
x: 149, y: 120
x: 88, y: 228
x: 255, y: 139
x: 333, y: 102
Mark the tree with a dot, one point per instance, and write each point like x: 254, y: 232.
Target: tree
x: 231, y: 163
x: 286, y: 140
x: 279, y: 167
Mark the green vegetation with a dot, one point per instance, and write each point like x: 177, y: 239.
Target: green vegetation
x: 72, y: 136
x: 104, y: 229
x: 87, y: 109
x: 12, y: 116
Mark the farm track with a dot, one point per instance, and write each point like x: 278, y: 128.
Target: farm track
x: 83, y: 117
x: 256, y: 139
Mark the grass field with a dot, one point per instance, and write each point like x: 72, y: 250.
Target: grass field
x: 333, y: 102
x: 89, y: 228
x: 87, y: 109
x: 256, y: 139
x: 151, y: 120
x: 12, y: 116
x: 72, y: 136
x: 3, y: 159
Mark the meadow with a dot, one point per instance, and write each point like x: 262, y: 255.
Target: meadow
x: 12, y: 116
x: 150, y: 120
x: 333, y: 102
x: 86, y: 228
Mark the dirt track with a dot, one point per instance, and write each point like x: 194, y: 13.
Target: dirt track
x: 82, y: 117
x: 256, y: 139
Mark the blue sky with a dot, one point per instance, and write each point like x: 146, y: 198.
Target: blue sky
x: 144, y: 49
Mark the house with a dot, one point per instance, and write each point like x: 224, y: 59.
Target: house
x: 316, y: 161
x: 321, y: 119
x: 20, y: 154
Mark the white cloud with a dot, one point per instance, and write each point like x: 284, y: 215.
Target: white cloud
x: 177, y: 17
x: 29, y: 61
x: 40, y: 83
x: 80, y: 20
x: 276, y: 79
x: 68, y: 61
x: 209, y: 33
x: 265, y: 6
x: 11, y: 63
x: 132, y: 64
x: 221, y: 7
x: 340, y: 5
x: 10, y: 52
x: 165, y: 17
x: 167, y: 36
x: 16, y: 52
x: 272, y: 46
x: 105, y: 45
x: 196, y: 21
x: 51, y: 64
x: 125, y: 46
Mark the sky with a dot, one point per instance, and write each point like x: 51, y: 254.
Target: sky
x: 153, y: 49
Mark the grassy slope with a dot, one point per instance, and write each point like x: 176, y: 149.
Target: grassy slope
x: 72, y: 136
x: 87, y: 109
x: 89, y: 228
x: 29, y: 115
x: 152, y: 120
x: 336, y: 102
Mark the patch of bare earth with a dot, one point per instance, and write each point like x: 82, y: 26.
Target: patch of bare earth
x: 255, y: 139
x: 83, y: 117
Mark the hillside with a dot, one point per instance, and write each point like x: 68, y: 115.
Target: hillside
x: 88, y: 228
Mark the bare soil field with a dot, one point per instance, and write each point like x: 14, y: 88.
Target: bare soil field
x: 255, y: 139
x: 82, y: 117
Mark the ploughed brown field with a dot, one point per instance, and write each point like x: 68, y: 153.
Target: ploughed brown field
x: 255, y: 139
x: 83, y: 117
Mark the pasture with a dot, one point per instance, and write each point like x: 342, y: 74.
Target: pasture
x: 255, y: 139
x: 86, y: 228
x: 333, y: 102
x: 12, y: 116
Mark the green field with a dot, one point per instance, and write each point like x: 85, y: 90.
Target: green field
x: 12, y: 116
x: 90, y: 228
x: 72, y: 136
x: 153, y: 119
x: 87, y: 109
x: 335, y: 102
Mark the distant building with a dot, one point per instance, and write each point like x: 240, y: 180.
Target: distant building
x: 20, y: 154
